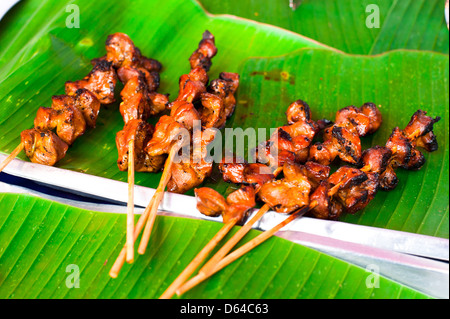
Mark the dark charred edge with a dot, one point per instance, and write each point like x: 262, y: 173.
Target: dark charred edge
x: 417, y: 162
x: 337, y: 133
x: 284, y: 135
x: 102, y: 65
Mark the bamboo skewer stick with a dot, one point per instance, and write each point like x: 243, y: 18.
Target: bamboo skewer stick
x: 157, y: 197
x: 211, y: 245
x: 243, y: 250
x: 170, y: 291
x: 130, y: 204
x: 11, y: 156
x: 221, y: 253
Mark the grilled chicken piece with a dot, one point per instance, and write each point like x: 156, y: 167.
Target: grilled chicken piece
x: 63, y: 116
x: 167, y: 130
x: 343, y: 138
x: 138, y: 101
x: 185, y: 114
x: 336, y: 186
x: 232, y: 170
x: 43, y: 147
x: 88, y: 104
x: 404, y: 154
x: 187, y: 174
x: 122, y: 52
x: 192, y: 85
x: 101, y: 81
x: 220, y: 101
x: 292, y: 192
x: 141, y: 132
x: 366, y: 119
x: 205, y: 52
x: 291, y: 142
x: 236, y: 206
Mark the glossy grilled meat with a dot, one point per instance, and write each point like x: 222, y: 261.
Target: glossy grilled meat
x: 236, y: 206
x: 138, y: 102
x: 219, y: 102
x: 141, y: 132
x: 43, y: 147
x: 343, y: 138
x: 185, y: 114
x: 292, y: 192
x: 291, y: 142
x: 101, y: 81
x: 63, y: 116
x: 205, y: 52
x: 167, y: 130
x: 343, y: 191
x: 188, y: 173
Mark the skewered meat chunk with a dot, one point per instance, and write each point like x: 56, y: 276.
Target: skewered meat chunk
x: 63, y: 116
x: 236, y: 206
x: 205, y: 52
x: 337, y: 187
x: 192, y: 85
x: 292, y: 192
x: 232, y: 171
x: 101, y: 81
x: 187, y: 174
x: 224, y: 88
x: 184, y: 113
x: 141, y: 132
x: 291, y: 142
x: 166, y: 132
x: 43, y: 147
x: 122, y: 52
x: 139, y: 102
x: 376, y: 158
x: 405, y: 155
x: 343, y: 138
x: 88, y: 104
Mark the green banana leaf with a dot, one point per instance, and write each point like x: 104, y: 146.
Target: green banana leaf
x: 41, y: 53
x: 341, y: 24
x: 42, y: 254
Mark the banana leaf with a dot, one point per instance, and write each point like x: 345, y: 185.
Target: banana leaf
x: 341, y: 24
x: 66, y: 252
x: 41, y: 53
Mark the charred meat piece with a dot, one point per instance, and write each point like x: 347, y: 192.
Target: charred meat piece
x: 191, y: 172
x: 121, y: 51
x: 43, y: 147
x: 339, y: 142
x: 291, y: 192
x: 419, y: 125
x: 343, y: 138
x: 236, y: 206
x: 192, y: 85
x: 405, y: 155
x: 205, y: 52
x: 376, y: 159
x: 101, y: 81
x: 331, y: 196
x: 63, y: 116
x: 232, y: 171
x: 141, y: 132
x: 184, y: 113
x: 167, y: 130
